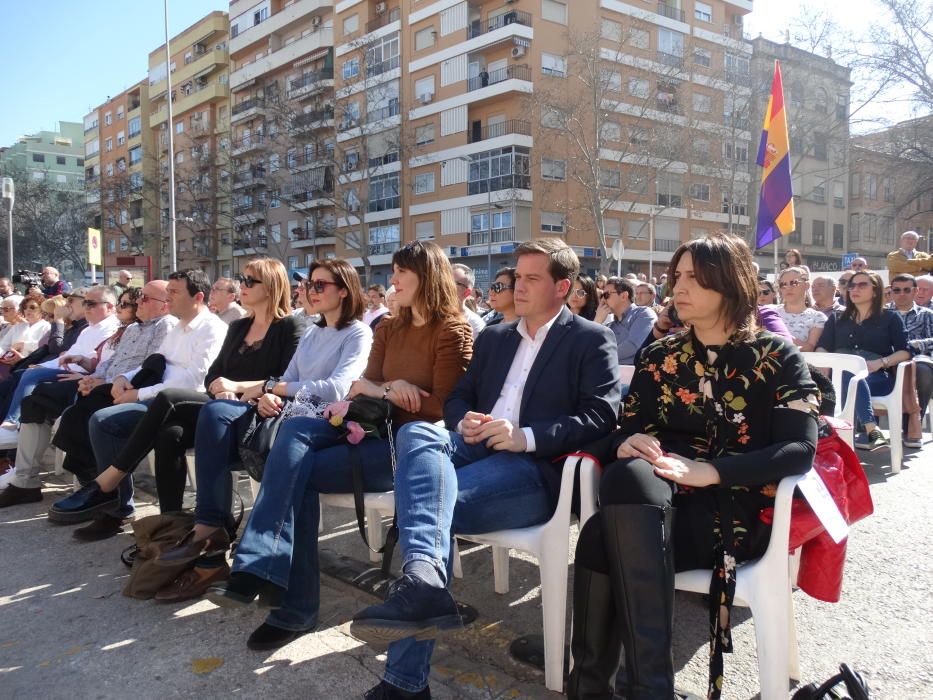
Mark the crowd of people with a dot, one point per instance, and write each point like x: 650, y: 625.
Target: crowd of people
x: 485, y: 395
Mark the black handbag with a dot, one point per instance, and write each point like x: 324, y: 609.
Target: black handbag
x: 845, y: 685
x: 256, y: 437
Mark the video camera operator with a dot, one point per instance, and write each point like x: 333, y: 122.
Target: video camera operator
x: 52, y: 284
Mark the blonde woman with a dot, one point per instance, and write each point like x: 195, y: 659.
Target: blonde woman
x: 803, y: 321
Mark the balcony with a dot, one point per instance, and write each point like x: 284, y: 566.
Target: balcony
x: 502, y: 182
x: 287, y: 54
x: 380, y: 113
x: 670, y: 11
x: 664, y: 245
x: 499, y: 235
x: 247, y: 109
x: 276, y: 22
x: 384, y: 248
x: 492, y: 131
x: 184, y: 103
x: 302, y: 198
x: 376, y: 69
x: 479, y: 27
x: 247, y: 143
x: 248, y: 242
x: 310, y: 83
x: 522, y: 72
x: 317, y: 119
x: 385, y: 19
x: 384, y: 204
x: 384, y: 159
x: 674, y: 60
x: 246, y: 178
x: 202, y: 65
x: 248, y: 214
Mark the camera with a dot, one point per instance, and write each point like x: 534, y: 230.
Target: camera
x: 28, y: 278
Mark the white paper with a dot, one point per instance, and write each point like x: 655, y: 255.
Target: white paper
x: 823, y: 505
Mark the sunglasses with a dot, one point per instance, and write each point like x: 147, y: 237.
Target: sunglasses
x: 90, y: 303
x: 146, y: 297
x: 902, y: 290
x: 126, y: 305
x: 499, y: 287
x: 858, y: 285
x: 790, y: 283
x: 249, y: 282
x: 579, y: 292
x: 765, y: 291
x: 318, y: 286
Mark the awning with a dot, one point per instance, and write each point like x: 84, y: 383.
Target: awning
x: 320, y: 53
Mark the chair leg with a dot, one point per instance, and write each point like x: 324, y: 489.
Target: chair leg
x: 553, y: 568
x: 458, y: 565
x: 772, y: 634
x: 793, y: 649
x: 500, y: 569
x: 895, y: 422
x: 374, y: 532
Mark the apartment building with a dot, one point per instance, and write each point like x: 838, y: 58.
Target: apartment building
x: 199, y: 69
x: 487, y: 156
x: 891, y: 189
x: 120, y: 176
x: 282, y: 130
x: 816, y: 99
x: 54, y: 156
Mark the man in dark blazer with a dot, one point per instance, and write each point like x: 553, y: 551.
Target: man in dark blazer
x: 535, y: 390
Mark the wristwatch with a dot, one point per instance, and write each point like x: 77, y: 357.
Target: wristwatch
x: 269, y: 385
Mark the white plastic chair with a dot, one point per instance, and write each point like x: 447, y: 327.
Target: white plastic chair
x: 839, y: 363
x: 764, y: 585
x: 549, y: 543
x: 893, y: 405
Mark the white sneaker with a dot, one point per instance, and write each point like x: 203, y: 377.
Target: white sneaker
x: 6, y: 478
x: 8, y: 438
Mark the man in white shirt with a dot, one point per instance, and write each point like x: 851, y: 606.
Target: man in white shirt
x: 189, y: 349
x: 534, y: 391
x: 465, y: 280
x: 377, y: 305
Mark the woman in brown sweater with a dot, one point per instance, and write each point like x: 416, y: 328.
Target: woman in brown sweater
x: 415, y: 361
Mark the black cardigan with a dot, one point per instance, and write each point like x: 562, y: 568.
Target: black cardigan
x: 270, y: 360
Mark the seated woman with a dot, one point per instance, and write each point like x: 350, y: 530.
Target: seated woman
x: 876, y: 334
x: 330, y: 356
x: 716, y: 415
x: 583, y: 299
x: 256, y: 347
x: 796, y: 308
x: 416, y: 359
x: 501, y: 297
x: 766, y: 294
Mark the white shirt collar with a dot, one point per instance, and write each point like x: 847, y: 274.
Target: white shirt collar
x: 522, y: 329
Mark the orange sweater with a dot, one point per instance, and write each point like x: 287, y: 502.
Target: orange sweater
x: 433, y: 357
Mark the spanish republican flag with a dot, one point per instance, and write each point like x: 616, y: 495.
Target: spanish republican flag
x: 776, y: 201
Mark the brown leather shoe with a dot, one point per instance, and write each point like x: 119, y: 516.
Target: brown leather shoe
x: 14, y: 496
x: 192, y: 583
x: 187, y: 550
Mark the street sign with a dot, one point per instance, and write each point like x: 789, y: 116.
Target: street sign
x: 618, y: 249
x: 847, y: 260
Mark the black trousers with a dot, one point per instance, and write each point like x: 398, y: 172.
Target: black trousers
x: 72, y: 434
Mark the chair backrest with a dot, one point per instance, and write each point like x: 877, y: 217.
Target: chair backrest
x: 838, y: 363
x: 627, y: 372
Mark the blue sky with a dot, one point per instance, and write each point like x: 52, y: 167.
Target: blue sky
x: 61, y: 58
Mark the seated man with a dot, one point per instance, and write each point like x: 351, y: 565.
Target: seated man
x: 536, y: 389
x: 225, y: 300
x: 139, y: 340
x: 631, y: 324
x: 919, y: 324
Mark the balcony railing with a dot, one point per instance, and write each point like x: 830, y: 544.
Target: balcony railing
x: 664, y: 245
x: 502, y: 182
x: 299, y: 195
x: 492, y: 131
x: 382, y: 20
x: 308, y: 118
x: 479, y: 27
x: 499, y: 235
x: 675, y: 60
x: 670, y: 11
x: 383, y: 248
x: 385, y: 204
x: 310, y: 79
x: 390, y: 110
x: 249, y: 140
x: 384, y: 159
x: 484, y: 79
x: 374, y: 69
x: 260, y: 242
x: 248, y: 176
x: 247, y: 104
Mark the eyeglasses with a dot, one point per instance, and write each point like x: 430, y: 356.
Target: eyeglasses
x: 790, y: 283
x: 579, y: 292
x: 90, y: 303
x: 902, y: 290
x: 318, y: 286
x: 858, y: 285
x: 605, y: 295
x: 146, y: 297
x: 249, y: 282
x: 126, y: 305
x: 499, y: 287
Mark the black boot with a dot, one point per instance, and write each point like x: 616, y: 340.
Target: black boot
x: 596, y: 642
x: 641, y: 567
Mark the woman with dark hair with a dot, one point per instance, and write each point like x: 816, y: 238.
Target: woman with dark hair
x: 793, y: 258
x: 330, y: 356
x: 878, y: 335
x: 416, y: 359
x: 502, y: 297
x: 583, y: 299
x: 766, y: 294
x: 716, y: 415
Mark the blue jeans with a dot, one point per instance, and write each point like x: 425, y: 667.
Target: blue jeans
x: 27, y: 384
x: 280, y: 542
x: 109, y: 429
x: 877, y: 384
x: 215, y: 456
x: 444, y: 486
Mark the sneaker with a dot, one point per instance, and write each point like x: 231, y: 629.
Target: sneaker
x: 875, y: 440
x: 384, y: 691
x: 6, y: 478
x: 412, y: 608
x: 8, y: 438
x: 912, y: 443
x: 80, y: 506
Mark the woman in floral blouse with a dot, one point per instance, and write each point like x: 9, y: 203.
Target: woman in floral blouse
x: 715, y: 417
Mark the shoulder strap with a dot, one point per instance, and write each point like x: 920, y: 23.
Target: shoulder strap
x: 356, y: 470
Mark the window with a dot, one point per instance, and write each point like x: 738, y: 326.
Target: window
x: 554, y: 11
x: 699, y: 191
x: 38, y: 157
x: 855, y: 185
x: 736, y: 65
x: 124, y: 216
x: 887, y: 189
x: 109, y: 169
x: 839, y: 195
x: 638, y: 87
x: 820, y: 101
x: 553, y: 169
x: 702, y: 11
x: 425, y: 86
x: 425, y: 38
x: 819, y: 233
x: 124, y: 243
x: 121, y: 138
x: 351, y: 24
x: 612, y: 228
x: 552, y: 118
x: 702, y: 103
x: 120, y: 112
x: 274, y: 199
x: 384, y: 238
x: 179, y: 127
x: 351, y: 68
x: 552, y: 222
x: 424, y: 183
x: 838, y: 236
x: 638, y: 38
x: 818, y: 194
x: 59, y: 160
x: 670, y: 46
x: 820, y: 146
x: 553, y: 65
x: 612, y: 31
x: 611, y: 178
x: 842, y: 108
x: 480, y: 223
x: 637, y: 229
x: 112, y: 245
x: 854, y: 231
x: 701, y: 148
x: 80, y: 162
x: 384, y: 192
x: 61, y: 179
x: 871, y: 187
x: 499, y: 169
x: 670, y: 190
x: 108, y: 118
x: 610, y: 131
x: 735, y: 151
x: 424, y: 134
x: 134, y: 126
x: 611, y: 80
x: 136, y: 155
x: 702, y: 57
x: 424, y: 230
x: 180, y: 157
x: 735, y: 203
x: 108, y: 145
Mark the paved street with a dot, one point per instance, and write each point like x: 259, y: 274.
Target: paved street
x: 67, y: 632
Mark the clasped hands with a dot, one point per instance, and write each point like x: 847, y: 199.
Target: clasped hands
x: 673, y: 467
x: 497, y: 433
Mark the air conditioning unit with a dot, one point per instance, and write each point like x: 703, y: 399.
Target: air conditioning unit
x: 518, y: 51
x: 316, y: 21
x: 380, y: 8
x: 426, y: 98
